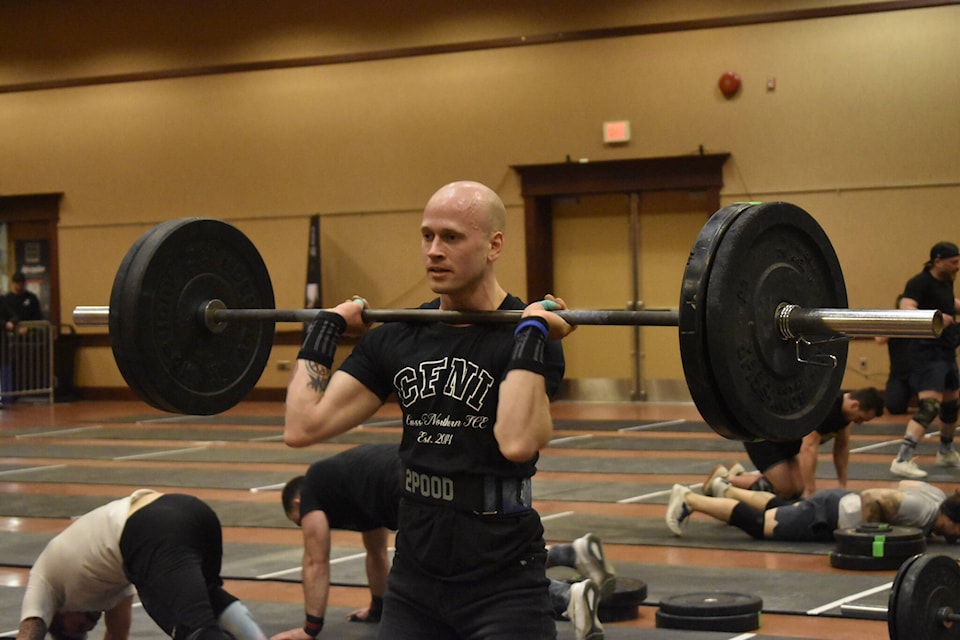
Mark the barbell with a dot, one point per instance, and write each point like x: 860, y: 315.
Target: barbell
x: 763, y: 319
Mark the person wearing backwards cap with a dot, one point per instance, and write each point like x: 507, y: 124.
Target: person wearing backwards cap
x: 933, y: 362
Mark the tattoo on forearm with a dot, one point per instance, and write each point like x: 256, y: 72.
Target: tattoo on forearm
x: 32, y: 629
x: 890, y: 504
x: 319, y: 377
x: 870, y: 512
x: 880, y: 505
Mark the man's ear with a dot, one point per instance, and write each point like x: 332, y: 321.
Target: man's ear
x: 496, y: 246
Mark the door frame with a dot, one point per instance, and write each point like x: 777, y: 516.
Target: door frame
x: 42, y: 212
x: 540, y: 183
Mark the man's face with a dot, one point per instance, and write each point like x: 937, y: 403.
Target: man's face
x: 74, y: 625
x: 947, y: 528
x: 860, y: 416
x: 948, y: 266
x: 456, y: 245
x: 293, y: 514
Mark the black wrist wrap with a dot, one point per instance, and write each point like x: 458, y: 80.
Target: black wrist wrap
x: 313, y: 625
x: 376, y: 608
x: 530, y: 339
x: 320, y: 343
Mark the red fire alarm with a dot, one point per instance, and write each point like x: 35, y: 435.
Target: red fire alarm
x: 729, y: 84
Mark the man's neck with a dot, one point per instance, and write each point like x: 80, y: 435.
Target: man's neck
x: 481, y: 299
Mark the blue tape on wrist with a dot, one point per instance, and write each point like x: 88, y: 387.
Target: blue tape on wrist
x: 533, y: 321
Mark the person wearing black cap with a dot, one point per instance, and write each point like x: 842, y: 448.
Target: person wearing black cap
x: 22, y: 304
x: 18, y: 305
x: 933, y: 362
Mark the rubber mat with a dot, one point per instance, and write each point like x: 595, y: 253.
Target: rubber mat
x: 274, y: 618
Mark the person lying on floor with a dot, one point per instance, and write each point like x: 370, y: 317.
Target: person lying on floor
x: 360, y: 490
x: 765, y: 516
x: 167, y: 546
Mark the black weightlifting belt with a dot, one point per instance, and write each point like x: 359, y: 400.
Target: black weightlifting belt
x: 483, y: 495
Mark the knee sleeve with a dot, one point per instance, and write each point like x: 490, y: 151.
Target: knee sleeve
x: 926, y: 412
x: 748, y: 519
x: 239, y: 623
x: 948, y: 412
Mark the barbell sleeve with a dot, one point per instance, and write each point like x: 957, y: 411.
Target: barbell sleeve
x: 792, y: 321
x: 91, y: 316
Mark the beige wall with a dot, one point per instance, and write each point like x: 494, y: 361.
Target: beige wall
x: 862, y: 131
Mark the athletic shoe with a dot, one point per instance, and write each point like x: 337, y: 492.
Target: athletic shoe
x: 718, y: 487
x: 583, y: 610
x: 677, y: 509
x: 736, y: 469
x: 907, y: 469
x: 592, y: 563
x: 719, y: 471
x: 949, y: 459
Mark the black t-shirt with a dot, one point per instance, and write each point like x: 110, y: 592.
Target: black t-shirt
x: 358, y: 489
x: 899, y: 351
x: 447, y: 382
x: 931, y: 293
x: 22, y: 306
x: 834, y: 422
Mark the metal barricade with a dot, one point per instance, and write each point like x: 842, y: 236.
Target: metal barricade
x: 26, y: 361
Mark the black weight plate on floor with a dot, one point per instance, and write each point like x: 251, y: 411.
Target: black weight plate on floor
x: 625, y: 601
x: 866, y: 563
x: 711, y: 603
x: 162, y: 348
x: 739, y: 622
x: 620, y: 613
x: 871, y: 527
x: 880, y: 541
x: 627, y: 591
x: 924, y: 585
x: 882, y: 548
x: 768, y: 254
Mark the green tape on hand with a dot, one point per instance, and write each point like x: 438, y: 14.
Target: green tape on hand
x: 549, y: 305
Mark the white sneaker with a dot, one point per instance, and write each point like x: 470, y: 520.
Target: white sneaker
x: 583, y: 608
x: 717, y: 488
x: 907, y: 469
x: 736, y: 469
x: 592, y: 563
x: 949, y: 459
x: 719, y: 472
x: 677, y: 509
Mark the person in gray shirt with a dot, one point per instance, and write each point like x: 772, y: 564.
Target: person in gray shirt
x: 764, y: 516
